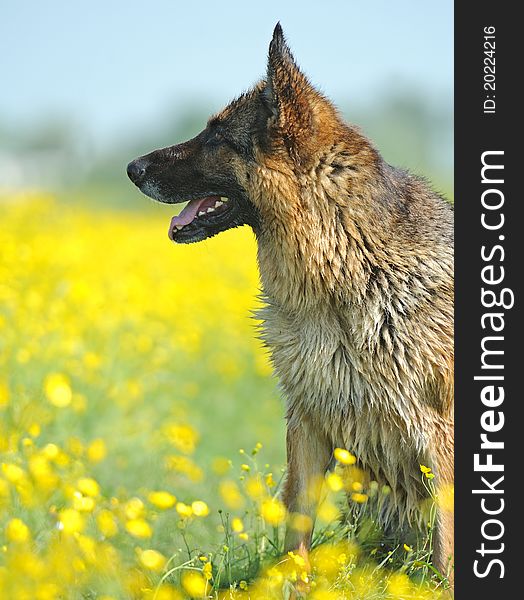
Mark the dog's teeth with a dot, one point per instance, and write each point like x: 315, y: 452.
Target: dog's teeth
x: 223, y: 198
x: 179, y: 227
x: 210, y: 209
x: 218, y: 203
x: 202, y: 212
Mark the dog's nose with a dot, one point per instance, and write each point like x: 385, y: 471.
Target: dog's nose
x: 136, y: 170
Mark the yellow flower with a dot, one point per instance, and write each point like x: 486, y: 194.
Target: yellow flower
x: 152, y: 560
x: 200, y: 508
x: 183, y: 437
x: 245, y: 467
x: 106, y: 523
x: 49, y: 591
x: 221, y: 465
x: 231, y: 494
x: 13, y: 473
x: 243, y: 536
x: 207, y: 571
x: 88, y: 546
x: 327, y: 512
x: 255, y: 488
x: 242, y: 584
x: 270, y: 482
x: 42, y: 472
x: 334, y: 482
x: 96, y: 451
x: 34, y: 430
x: 83, y: 503
x: 427, y: 472
x: 297, y: 559
x: 359, y: 498
x: 17, y: 531
x: 183, y: 464
x: 139, y: 528
x: 236, y: 525
x: 408, y: 548
x: 134, y: 508
x: 4, y: 394
x: 88, y: 486
x: 304, y: 577
x: 344, y: 457
x: 58, y: 389
x: 399, y: 585
x: 273, y: 511
x: 301, y: 522
x: 4, y: 489
x: 162, y: 499
x: 51, y: 451
x: 184, y: 510
x: 92, y: 360
x: 71, y: 521
x: 165, y: 592
x: 194, y: 584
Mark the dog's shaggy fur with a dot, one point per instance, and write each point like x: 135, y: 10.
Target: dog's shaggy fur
x: 356, y: 266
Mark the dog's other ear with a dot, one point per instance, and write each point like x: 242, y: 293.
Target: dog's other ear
x: 288, y: 95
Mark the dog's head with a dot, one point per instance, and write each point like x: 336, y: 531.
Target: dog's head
x: 275, y: 126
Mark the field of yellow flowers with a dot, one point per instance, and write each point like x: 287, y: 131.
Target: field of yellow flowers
x: 141, y: 433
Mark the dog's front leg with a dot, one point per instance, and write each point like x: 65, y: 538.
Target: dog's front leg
x: 308, y: 456
x: 443, y: 551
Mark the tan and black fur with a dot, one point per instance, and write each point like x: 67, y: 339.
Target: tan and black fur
x: 356, y: 268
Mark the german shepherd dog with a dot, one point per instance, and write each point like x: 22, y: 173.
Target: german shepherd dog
x: 356, y: 269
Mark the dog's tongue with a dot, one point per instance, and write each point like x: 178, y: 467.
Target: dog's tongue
x: 190, y: 211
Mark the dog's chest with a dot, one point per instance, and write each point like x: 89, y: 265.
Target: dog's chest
x: 316, y: 360
x: 330, y: 367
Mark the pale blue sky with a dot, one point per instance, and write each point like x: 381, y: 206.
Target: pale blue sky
x: 114, y: 66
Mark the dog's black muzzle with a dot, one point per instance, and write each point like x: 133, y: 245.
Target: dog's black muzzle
x: 136, y: 170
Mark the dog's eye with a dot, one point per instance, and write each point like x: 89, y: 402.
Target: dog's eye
x: 215, y: 139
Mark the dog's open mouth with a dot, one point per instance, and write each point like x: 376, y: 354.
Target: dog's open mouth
x: 201, y: 218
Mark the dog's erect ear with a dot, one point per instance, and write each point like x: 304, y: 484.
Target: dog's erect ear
x: 288, y: 95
